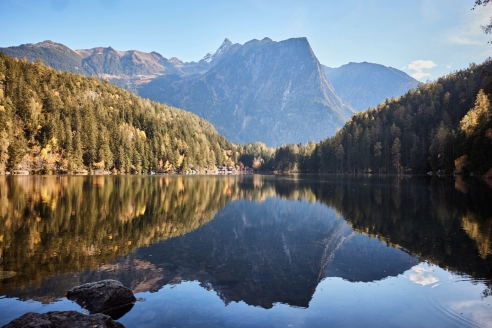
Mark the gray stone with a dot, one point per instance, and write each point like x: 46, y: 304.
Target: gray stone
x: 107, y: 296
x: 64, y: 319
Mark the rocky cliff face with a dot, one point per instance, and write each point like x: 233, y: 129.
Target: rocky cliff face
x: 364, y: 85
x: 274, y: 92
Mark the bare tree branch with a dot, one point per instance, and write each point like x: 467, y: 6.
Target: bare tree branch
x: 487, y: 29
x: 481, y: 3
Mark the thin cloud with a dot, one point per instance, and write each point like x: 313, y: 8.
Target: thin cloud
x: 463, y: 40
x: 418, y: 66
x: 419, y: 75
x: 468, y: 31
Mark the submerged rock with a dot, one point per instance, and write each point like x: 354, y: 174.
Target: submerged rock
x: 107, y: 296
x: 64, y: 319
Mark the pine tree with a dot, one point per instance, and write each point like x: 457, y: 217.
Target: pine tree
x: 396, y: 152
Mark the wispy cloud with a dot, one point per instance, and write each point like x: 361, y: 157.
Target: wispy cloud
x: 418, y: 66
x: 419, y: 75
x: 468, y: 31
x: 463, y: 40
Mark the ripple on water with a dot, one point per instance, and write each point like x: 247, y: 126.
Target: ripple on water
x: 454, y: 301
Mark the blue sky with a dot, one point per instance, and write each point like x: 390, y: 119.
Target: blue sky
x: 425, y: 38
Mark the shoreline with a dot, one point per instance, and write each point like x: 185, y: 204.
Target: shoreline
x: 107, y: 173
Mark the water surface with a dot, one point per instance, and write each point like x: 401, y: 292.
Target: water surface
x: 244, y: 251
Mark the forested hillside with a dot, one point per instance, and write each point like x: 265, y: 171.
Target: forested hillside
x: 442, y: 125
x: 54, y: 121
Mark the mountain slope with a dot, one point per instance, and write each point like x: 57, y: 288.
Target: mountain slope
x: 364, y: 85
x: 59, y: 122
x: 52, y: 54
x: 274, y: 92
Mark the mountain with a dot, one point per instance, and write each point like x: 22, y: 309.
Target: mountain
x: 364, y: 85
x: 135, y: 67
x: 53, y: 54
x: 274, y: 92
x: 125, y: 68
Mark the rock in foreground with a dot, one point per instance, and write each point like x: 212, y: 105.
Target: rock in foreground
x: 64, y: 319
x: 107, y: 296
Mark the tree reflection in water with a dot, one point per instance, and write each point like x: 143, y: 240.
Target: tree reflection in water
x: 259, y: 239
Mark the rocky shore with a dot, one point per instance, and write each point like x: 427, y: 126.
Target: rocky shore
x: 106, y: 301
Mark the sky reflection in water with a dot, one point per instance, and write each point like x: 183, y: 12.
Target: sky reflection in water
x: 295, y: 251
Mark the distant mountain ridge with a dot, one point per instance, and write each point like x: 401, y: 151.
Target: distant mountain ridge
x: 124, y: 68
x: 364, y: 85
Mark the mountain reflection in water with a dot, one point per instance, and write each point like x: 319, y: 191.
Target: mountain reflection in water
x: 257, y: 239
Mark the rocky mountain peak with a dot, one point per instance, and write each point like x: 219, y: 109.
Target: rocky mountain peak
x: 226, y: 44
x: 157, y: 54
x: 208, y: 57
x: 211, y: 58
x: 175, y: 62
x: 51, y: 45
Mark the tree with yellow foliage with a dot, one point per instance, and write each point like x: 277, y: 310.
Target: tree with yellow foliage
x: 477, y: 115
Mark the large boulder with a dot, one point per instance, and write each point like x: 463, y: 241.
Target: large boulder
x: 107, y: 296
x: 65, y: 319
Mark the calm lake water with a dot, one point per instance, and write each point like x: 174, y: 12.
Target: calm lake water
x: 253, y: 251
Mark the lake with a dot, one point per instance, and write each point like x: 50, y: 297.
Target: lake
x: 253, y: 251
